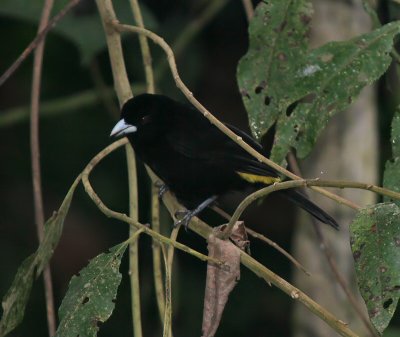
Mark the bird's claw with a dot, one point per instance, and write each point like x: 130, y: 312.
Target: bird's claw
x: 185, y: 216
x: 162, y: 189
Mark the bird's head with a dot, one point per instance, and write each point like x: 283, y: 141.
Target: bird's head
x: 142, y: 114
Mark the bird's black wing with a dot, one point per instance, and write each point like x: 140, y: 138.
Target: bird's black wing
x: 195, y: 137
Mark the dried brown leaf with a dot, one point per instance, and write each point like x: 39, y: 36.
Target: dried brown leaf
x: 220, y: 279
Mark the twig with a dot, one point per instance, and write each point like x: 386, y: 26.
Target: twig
x: 237, y: 139
x: 123, y: 217
x: 301, y: 183
x: 121, y: 82
x: 331, y: 260
x: 144, y: 47
x: 248, y: 8
x: 37, y: 40
x: 204, y: 230
x: 261, y: 237
x: 157, y: 268
x: 278, y: 248
x: 134, y: 246
x: 167, y: 326
x: 35, y: 158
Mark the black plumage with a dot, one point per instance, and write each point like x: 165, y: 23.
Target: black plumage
x: 197, y: 161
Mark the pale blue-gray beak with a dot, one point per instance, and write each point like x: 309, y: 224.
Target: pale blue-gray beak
x: 122, y: 128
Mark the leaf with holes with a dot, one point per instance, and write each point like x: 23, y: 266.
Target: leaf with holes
x: 90, y: 296
x: 332, y: 77
x: 278, y: 36
x: 16, y: 298
x: 375, y: 242
x: 391, y: 177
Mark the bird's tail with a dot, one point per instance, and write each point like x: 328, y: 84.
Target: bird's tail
x: 302, y: 201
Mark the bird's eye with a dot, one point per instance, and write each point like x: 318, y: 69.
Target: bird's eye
x: 145, y: 119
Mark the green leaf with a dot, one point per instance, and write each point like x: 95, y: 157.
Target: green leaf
x: 391, y: 176
x: 332, y: 77
x: 278, y: 36
x: 281, y: 82
x: 90, y: 297
x: 53, y: 229
x: 375, y: 242
x: 14, y: 301
x: 16, y: 298
x: 83, y: 29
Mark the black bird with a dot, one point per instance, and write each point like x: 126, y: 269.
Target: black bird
x: 197, y: 161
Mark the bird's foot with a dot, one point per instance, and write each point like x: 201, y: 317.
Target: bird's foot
x: 162, y: 188
x: 184, y: 217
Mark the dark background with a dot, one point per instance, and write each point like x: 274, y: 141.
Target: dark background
x: 69, y: 140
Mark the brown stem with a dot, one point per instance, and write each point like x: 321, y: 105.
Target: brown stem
x: 35, y: 158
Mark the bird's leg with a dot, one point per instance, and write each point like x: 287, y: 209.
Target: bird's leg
x: 188, y: 215
x: 162, y: 188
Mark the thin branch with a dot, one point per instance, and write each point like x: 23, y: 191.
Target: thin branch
x: 35, y: 158
x: 248, y: 8
x: 331, y: 260
x: 301, y: 183
x: 237, y: 139
x: 167, y: 326
x: 261, y: 237
x: 134, y: 246
x: 204, y: 230
x: 123, y: 217
x: 273, y: 244
x: 157, y: 268
x: 31, y: 47
x: 144, y: 47
x: 121, y: 82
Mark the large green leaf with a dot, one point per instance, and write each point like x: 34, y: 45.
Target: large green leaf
x: 83, y: 27
x: 278, y: 36
x: 300, y: 91
x: 16, y: 298
x: 91, y: 295
x: 375, y: 242
x: 332, y: 77
x: 391, y: 177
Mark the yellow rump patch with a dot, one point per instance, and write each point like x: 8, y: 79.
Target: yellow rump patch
x: 254, y: 178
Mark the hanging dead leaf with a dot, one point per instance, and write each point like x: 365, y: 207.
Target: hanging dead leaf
x: 221, y: 279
